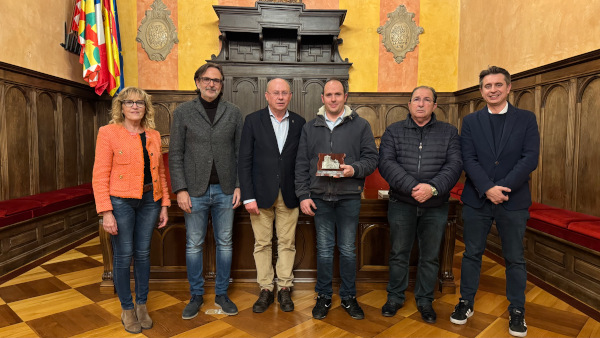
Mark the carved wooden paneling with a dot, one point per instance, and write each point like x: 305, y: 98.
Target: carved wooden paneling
x: 87, y: 138
x: 441, y: 113
x: 587, y: 198
x: 369, y: 114
x: 526, y: 101
x: 245, y: 93
x: 70, y: 132
x: 554, y: 147
x: 312, y: 98
x: 18, y: 142
x: 47, y: 154
x: 395, y: 114
x: 162, y: 119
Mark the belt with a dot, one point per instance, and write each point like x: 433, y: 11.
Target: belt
x: 147, y: 187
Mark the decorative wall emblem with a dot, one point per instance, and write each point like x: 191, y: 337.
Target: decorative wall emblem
x: 400, y: 33
x: 157, y: 33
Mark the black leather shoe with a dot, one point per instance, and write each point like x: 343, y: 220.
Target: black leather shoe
x: 427, y: 313
x: 285, y: 300
x: 264, y: 300
x: 390, y: 308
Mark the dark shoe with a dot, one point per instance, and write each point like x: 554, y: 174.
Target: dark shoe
x: 191, y: 309
x: 390, y: 308
x: 322, y: 307
x: 141, y: 311
x: 353, y: 309
x: 130, y: 321
x: 285, y: 300
x: 264, y: 300
x: 516, y: 323
x: 462, y: 311
x: 226, y: 305
x: 427, y: 313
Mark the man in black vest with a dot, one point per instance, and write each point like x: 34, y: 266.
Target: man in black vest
x: 266, y: 171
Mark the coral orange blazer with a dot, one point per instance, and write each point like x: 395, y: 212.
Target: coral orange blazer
x: 119, y: 166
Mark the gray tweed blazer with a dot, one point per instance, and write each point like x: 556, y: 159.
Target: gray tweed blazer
x: 195, y: 143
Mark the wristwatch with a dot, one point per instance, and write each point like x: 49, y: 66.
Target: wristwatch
x: 434, y: 191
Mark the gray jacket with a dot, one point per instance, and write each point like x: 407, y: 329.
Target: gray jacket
x: 195, y: 143
x: 353, y: 137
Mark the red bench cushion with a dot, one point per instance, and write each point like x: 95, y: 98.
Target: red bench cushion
x: 560, y: 217
x: 589, y: 228
x: 17, y: 205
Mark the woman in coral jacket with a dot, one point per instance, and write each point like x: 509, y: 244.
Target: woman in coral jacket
x: 131, y: 193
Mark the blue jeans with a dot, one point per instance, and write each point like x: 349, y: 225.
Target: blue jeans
x: 136, y: 219
x: 511, y: 226
x: 427, y: 225
x: 221, y: 209
x: 344, y: 215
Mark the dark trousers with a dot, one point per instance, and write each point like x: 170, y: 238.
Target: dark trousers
x: 511, y: 228
x: 427, y: 225
x: 336, y: 219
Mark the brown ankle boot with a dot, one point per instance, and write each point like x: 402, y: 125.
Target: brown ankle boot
x: 130, y: 321
x: 142, y: 315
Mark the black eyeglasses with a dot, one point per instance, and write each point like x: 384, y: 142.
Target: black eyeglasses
x: 206, y: 80
x: 129, y: 103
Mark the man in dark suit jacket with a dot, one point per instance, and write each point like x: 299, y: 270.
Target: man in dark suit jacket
x: 500, y: 148
x: 266, y: 171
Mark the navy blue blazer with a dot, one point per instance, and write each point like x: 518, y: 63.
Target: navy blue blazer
x: 510, y: 166
x: 262, y: 170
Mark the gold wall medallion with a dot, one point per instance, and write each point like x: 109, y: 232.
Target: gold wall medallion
x: 400, y: 33
x: 157, y: 32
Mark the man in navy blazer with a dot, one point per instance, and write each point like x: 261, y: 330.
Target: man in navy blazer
x: 266, y: 165
x: 500, y: 148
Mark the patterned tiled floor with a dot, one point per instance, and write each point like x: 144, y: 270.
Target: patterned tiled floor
x: 62, y: 298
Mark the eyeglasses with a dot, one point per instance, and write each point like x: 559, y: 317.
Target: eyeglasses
x: 129, y: 103
x: 207, y: 80
x: 425, y: 100
x: 277, y: 94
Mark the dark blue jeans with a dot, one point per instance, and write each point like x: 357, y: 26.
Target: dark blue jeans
x: 342, y: 216
x: 511, y: 228
x: 136, y: 219
x: 427, y: 225
x: 219, y: 205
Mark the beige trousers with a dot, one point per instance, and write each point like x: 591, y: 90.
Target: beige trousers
x: 285, y: 227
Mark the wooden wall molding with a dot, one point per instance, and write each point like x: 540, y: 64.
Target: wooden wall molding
x: 47, y: 131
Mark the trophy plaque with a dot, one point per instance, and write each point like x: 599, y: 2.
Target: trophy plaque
x: 329, y: 164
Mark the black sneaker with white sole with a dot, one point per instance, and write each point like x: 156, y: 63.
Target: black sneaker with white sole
x: 516, y: 323
x: 462, y: 311
x: 321, y: 307
x: 354, y: 310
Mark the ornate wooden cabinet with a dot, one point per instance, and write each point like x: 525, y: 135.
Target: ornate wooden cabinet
x: 279, y: 40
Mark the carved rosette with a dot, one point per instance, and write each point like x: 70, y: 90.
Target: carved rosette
x: 400, y: 33
x: 157, y: 33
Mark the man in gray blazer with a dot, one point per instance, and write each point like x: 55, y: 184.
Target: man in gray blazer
x: 203, y: 152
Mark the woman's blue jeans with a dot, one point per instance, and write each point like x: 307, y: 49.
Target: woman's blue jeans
x: 220, y: 207
x: 136, y: 219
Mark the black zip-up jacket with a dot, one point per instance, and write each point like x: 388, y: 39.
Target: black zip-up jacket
x: 409, y: 155
x: 353, y: 137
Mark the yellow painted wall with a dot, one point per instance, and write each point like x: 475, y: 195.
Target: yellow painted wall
x: 31, y: 33
x: 198, y: 38
x: 361, y: 43
x: 521, y: 35
x: 438, y: 45
x: 128, y: 28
